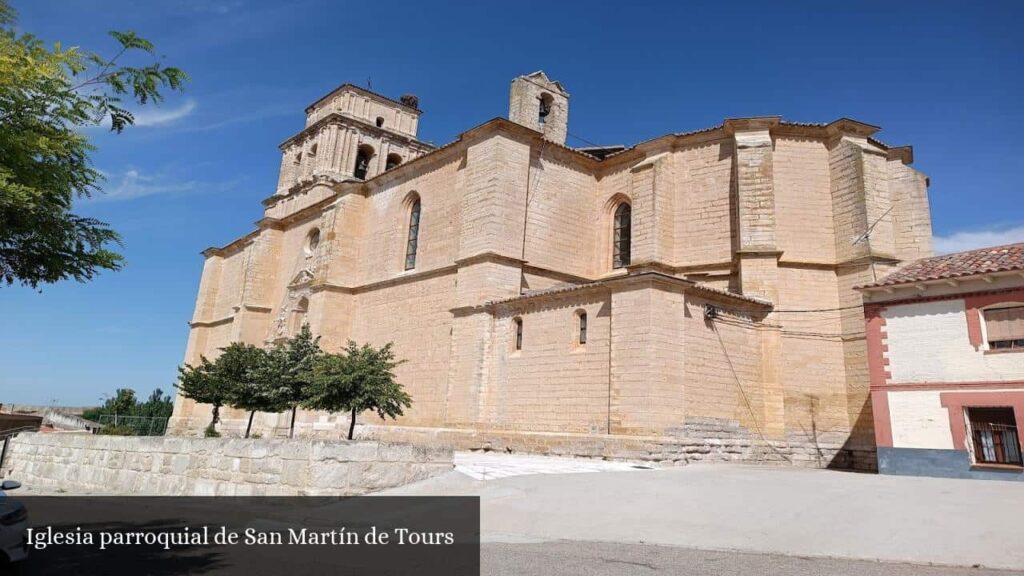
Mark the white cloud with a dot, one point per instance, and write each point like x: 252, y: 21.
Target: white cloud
x: 133, y: 184
x: 163, y: 116
x: 241, y: 118
x: 216, y: 7
x: 960, y: 241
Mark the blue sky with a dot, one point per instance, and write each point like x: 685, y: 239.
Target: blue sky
x: 944, y: 77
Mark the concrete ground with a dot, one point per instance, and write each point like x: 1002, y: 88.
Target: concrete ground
x: 768, y: 511
x: 493, y: 465
x: 611, y: 559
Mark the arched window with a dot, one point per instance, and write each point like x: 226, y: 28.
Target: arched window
x: 393, y: 161
x: 581, y: 323
x: 363, y: 156
x: 622, y: 237
x: 380, y: 121
x: 414, y: 235
x: 545, y: 108
x: 518, y: 324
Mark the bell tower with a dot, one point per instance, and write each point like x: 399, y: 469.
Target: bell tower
x: 351, y: 134
x: 541, y: 104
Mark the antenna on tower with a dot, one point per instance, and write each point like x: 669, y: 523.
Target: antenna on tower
x: 369, y: 82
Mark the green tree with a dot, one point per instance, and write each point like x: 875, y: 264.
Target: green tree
x: 250, y: 380
x: 358, y: 379
x: 203, y: 384
x: 125, y: 403
x: 158, y: 405
x: 46, y: 96
x: 122, y: 403
x: 289, y: 369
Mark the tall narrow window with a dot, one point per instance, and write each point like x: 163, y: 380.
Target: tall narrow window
x: 414, y: 235
x: 545, y: 108
x: 622, y: 237
x: 583, y: 327
x: 519, y: 333
x: 363, y: 156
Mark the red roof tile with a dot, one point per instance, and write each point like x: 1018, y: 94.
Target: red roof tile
x: 973, y: 262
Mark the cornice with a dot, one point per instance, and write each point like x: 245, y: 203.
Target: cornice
x: 341, y: 119
x: 489, y: 257
x: 365, y: 92
x: 850, y: 126
x: 751, y: 124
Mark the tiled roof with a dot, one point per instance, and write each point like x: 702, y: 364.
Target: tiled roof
x: 973, y: 262
x: 804, y: 124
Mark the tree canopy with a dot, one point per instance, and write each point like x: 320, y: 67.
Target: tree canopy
x: 132, y: 414
x: 290, y: 367
x: 360, y: 378
x: 250, y: 380
x: 47, y: 94
x: 203, y: 384
x: 296, y: 372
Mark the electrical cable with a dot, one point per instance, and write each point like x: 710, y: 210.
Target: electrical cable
x: 856, y: 307
x: 743, y: 393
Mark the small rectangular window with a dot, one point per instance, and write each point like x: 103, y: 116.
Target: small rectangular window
x: 994, y: 436
x: 1005, y: 327
x: 583, y: 328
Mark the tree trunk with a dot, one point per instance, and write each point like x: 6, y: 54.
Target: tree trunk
x: 291, y: 429
x: 249, y: 427
x: 352, y: 425
x: 216, y: 415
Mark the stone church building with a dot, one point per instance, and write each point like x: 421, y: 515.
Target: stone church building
x: 689, y: 297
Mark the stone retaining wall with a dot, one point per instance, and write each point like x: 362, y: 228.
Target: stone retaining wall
x: 663, y: 450
x: 82, y: 463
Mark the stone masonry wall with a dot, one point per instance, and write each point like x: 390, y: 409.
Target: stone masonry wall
x: 79, y: 463
x: 708, y: 440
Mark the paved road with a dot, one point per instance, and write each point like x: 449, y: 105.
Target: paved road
x: 611, y: 559
x: 786, y: 511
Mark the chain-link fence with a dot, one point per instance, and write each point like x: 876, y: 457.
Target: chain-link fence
x: 133, y: 425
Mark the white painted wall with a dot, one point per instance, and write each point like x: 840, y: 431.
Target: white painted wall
x: 919, y: 420
x: 928, y: 342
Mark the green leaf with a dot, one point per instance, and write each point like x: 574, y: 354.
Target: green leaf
x: 47, y: 95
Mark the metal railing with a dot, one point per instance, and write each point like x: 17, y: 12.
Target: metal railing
x: 135, y: 425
